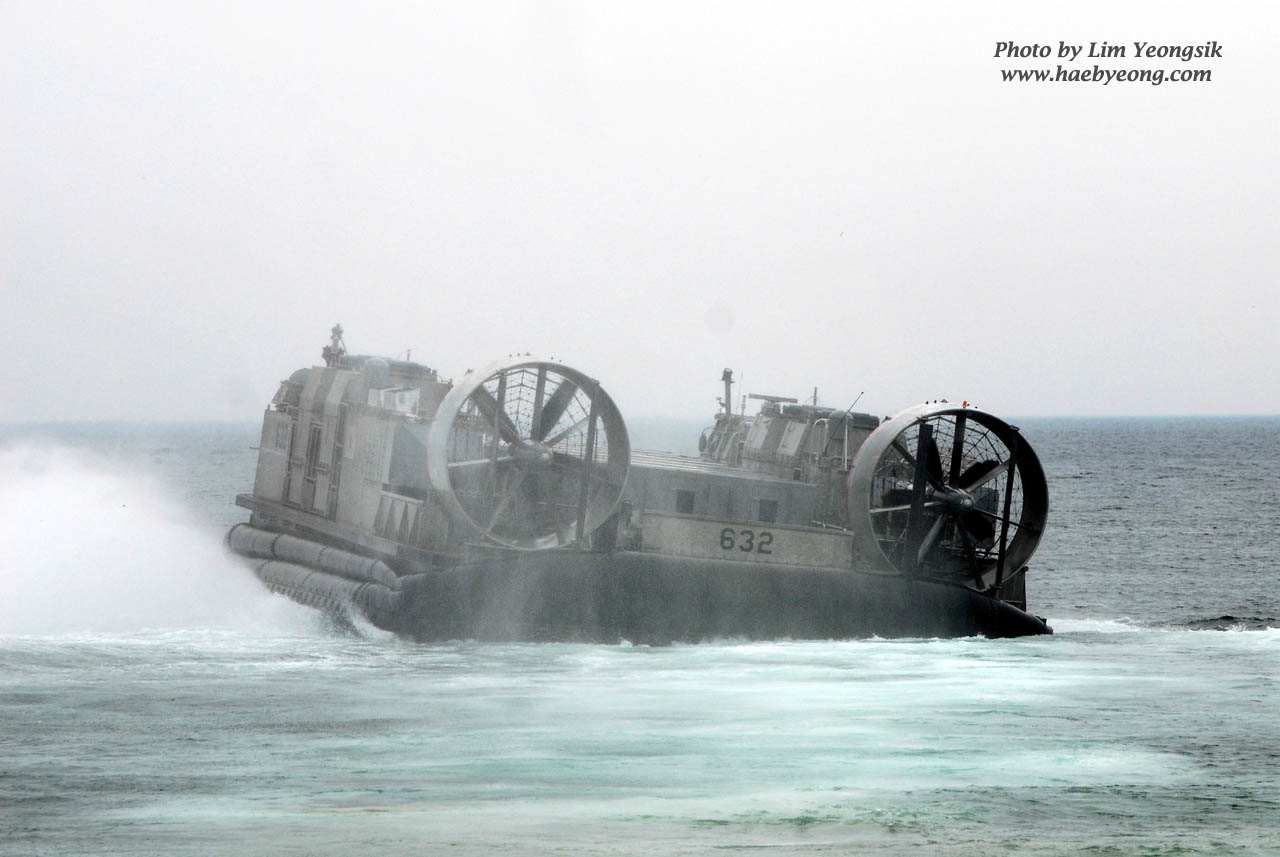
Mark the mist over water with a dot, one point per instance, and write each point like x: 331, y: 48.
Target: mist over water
x: 155, y: 699
x: 92, y: 545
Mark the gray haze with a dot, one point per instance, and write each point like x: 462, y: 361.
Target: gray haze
x: 841, y: 195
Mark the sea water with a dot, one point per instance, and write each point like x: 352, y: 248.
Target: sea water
x: 155, y: 699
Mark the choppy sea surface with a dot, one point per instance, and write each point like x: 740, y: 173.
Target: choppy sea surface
x: 156, y: 700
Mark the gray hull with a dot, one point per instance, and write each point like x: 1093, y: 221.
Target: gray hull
x: 645, y: 598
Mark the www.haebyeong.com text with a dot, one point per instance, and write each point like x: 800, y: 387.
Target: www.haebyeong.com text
x: 1104, y: 76
x: 1067, y: 72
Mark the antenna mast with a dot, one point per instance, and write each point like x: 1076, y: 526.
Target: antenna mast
x: 336, y: 347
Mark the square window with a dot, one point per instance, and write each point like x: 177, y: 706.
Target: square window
x: 684, y: 502
x: 768, y: 511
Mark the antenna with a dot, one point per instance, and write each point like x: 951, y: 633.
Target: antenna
x: 336, y: 347
x: 845, y: 422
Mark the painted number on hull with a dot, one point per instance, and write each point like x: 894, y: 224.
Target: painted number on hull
x: 747, y: 541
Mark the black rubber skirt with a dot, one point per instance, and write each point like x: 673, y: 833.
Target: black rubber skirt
x: 648, y: 598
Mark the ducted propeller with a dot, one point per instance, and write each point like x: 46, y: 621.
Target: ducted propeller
x: 529, y: 454
x: 948, y: 492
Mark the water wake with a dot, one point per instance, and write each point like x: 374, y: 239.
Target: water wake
x: 91, y: 547
x: 1126, y: 625
x: 1234, y: 623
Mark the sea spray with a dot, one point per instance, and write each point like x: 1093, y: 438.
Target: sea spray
x: 93, y: 546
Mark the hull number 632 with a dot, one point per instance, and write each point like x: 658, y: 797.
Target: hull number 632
x: 747, y: 541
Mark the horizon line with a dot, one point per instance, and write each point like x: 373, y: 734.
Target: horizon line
x: 1012, y: 416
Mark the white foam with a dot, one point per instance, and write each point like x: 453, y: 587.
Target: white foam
x: 1123, y: 625
x: 89, y: 546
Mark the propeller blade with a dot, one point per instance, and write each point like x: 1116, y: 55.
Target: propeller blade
x: 977, y: 525
x: 599, y: 472
x: 504, y: 504
x: 972, y: 556
x: 915, y: 534
x: 976, y: 474
x: 488, y: 406
x: 554, y: 409
x: 957, y: 448
x: 930, y: 538
x: 883, y: 510
x: 934, y: 461
x: 904, y: 452
x: 539, y: 398
x: 473, y: 462
x: 563, y: 433
x: 897, y: 497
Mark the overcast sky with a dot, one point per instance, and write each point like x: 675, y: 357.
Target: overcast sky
x: 841, y: 195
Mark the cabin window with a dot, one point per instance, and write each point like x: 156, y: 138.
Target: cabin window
x: 684, y: 502
x: 313, y: 452
x: 768, y: 511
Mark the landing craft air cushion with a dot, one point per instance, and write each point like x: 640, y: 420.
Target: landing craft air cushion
x: 510, y: 506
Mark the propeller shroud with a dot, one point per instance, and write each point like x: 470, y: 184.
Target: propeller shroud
x: 529, y: 455
x: 947, y: 492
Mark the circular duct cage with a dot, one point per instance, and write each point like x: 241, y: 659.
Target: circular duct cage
x: 528, y: 455
x: 947, y: 492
